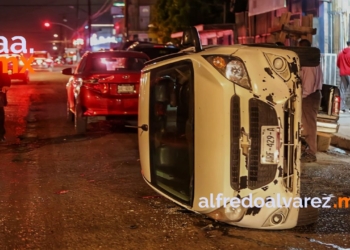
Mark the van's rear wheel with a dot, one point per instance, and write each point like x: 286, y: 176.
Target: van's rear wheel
x: 307, y: 216
x: 80, y: 121
x: 70, y: 115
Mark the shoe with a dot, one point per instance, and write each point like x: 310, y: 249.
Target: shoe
x: 308, y: 157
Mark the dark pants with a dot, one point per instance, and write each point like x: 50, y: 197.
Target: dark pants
x: 2, y: 122
x: 343, y: 88
x: 310, y: 107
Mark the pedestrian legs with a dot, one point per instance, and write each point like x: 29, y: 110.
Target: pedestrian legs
x: 344, y: 85
x: 310, y: 106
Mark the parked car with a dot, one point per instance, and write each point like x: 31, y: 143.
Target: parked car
x: 42, y: 61
x: 105, y: 83
x: 219, y: 131
x: 125, y: 45
x: 58, y: 60
x: 153, y: 50
x: 14, y: 67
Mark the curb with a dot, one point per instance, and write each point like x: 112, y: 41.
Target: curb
x: 340, y: 142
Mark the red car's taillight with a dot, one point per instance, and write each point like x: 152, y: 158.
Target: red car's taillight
x: 336, y: 105
x: 93, y: 83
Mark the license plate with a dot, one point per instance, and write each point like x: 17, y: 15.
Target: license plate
x: 125, y: 89
x: 270, y: 136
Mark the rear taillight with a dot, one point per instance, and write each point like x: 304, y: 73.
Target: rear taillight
x: 93, y: 83
x: 90, y: 81
x: 336, y: 105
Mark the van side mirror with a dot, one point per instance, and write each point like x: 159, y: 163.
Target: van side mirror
x: 190, y: 37
x: 67, y: 71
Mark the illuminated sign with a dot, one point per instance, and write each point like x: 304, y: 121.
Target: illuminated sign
x: 78, y: 41
x: 4, y: 45
x: 102, y: 40
x: 16, y: 61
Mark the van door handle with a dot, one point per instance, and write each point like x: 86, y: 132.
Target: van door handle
x: 144, y: 127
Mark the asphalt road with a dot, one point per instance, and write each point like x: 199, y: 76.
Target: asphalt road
x: 63, y: 191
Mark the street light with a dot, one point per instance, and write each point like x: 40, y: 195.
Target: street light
x: 48, y: 25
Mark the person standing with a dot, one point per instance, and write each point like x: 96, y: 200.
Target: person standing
x: 343, y: 63
x: 311, y: 80
x: 5, y: 82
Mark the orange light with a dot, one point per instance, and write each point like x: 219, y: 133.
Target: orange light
x: 219, y: 62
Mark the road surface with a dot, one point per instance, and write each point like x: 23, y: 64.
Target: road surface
x: 63, y: 191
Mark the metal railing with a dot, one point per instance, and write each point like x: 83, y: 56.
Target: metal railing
x: 329, y: 69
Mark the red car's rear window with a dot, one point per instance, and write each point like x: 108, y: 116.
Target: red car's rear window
x: 108, y: 64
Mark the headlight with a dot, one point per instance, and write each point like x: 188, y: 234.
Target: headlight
x: 279, y: 65
x: 232, y: 68
x: 228, y: 213
x: 277, y: 217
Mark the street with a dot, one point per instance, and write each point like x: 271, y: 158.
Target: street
x: 60, y: 190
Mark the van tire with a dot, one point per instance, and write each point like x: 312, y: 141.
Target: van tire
x: 308, y: 56
x: 307, y: 216
x: 80, y: 121
x: 70, y: 115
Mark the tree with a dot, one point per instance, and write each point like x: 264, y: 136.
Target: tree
x: 169, y: 16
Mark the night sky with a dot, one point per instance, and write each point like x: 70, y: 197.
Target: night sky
x: 26, y: 18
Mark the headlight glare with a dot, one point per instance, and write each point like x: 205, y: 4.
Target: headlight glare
x: 235, y: 71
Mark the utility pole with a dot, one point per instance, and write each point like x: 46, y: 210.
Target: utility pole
x: 62, y: 39
x: 89, y: 24
x: 126, y: 20
x: 224, y: 12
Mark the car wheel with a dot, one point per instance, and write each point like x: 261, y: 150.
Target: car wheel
x: 80, y: 122
x: 307, y: 216
x: 25, y: 80
x: 70, y: 115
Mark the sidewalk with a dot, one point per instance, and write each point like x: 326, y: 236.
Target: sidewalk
x: 342, y: 138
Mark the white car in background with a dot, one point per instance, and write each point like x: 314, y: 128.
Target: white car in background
x: 42, y: 60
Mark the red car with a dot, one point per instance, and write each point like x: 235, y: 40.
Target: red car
x: 105, y: 83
